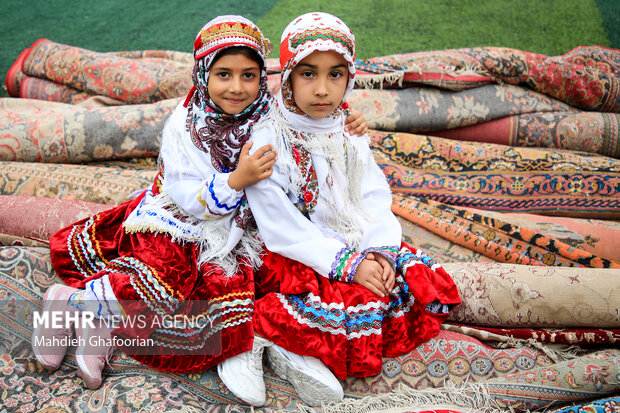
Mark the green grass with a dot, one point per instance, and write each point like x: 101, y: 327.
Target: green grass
x: 549, y: 27
x: 382, y: 27
x: 610, y: 12
x: 112, y: 25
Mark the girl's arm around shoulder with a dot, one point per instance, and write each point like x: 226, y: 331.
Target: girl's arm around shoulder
x: 252, y: 168
x: 355, y: 123
x: 285, y: 230
x: 264, y: 140
x: 209, y: 197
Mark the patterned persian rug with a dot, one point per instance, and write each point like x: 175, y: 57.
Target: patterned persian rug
x: 503, y: 166
x: 25, y: 273
x: 498, y: 95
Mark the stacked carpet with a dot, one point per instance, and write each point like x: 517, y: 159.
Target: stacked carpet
x: 504, y: 168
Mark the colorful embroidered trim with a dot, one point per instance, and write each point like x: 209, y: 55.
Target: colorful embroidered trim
x: 205, y: 205
x: 99, y: 306
x: 407, y: 258
x: 401, y: 298
x: 309, y: 191
x: 146, y: 218
x: 354, y: 322
x: 234, y: 308
x: 147, y: 283
x: 164, y: 338
x: 364, y: 320
x: 76, y: 300
x: 390, y: 253
x: 84, y: 249
x: 223, y: 312
x: 216, y: 34
x: 322, y: 33
x: 345, y: 264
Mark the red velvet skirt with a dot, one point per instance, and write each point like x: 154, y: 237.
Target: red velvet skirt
x: 175, y: 318
x: 345, y: 325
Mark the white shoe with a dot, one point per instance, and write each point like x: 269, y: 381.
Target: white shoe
x: 312, y: 380
x: 243, y: 374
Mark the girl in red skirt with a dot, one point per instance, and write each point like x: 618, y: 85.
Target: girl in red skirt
x: 184, y: 246
x: 338, y: 287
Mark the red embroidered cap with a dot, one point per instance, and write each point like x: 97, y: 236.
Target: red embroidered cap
x: 230, y: 30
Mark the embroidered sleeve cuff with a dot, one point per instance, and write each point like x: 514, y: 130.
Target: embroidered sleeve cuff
x: 221, y: 198
x: 345, y: 265
x: 390, y: 253
x: 228, y: 198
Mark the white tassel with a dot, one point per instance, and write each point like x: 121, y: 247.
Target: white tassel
x: 377, y: 81
x: 372, y: 81
x: 160, y: 214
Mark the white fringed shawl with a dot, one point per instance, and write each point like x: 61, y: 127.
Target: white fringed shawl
x: 325, y: 138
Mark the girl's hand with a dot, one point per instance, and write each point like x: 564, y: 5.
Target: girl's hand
x: 355, y: 123
x: 370, y: 275
x: 252, y: 169
x: 388, y: 275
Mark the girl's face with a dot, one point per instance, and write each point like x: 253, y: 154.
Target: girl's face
x: 319, y: 82
x: 233, y: 82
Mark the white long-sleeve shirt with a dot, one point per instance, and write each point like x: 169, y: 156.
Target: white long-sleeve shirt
x: 309, y: 239
x: 190, y: 179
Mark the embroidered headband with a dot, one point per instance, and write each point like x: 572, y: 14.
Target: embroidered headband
x: 313, y: 32
x: 229, y: 30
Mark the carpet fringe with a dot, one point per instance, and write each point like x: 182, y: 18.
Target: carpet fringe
x: 373, y: 81
x: 556, y: 352
x: 469, y: 398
